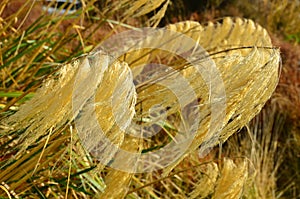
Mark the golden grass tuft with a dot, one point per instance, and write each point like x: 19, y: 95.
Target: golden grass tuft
x: 35, y: 123
x: 42, y: 153
x: 232, y: 180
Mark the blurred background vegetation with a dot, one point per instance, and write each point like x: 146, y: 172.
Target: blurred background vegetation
x: 33, y: 44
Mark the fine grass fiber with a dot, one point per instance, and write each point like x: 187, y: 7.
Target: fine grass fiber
x: 44, y: 154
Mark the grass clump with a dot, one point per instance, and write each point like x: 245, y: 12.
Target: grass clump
x: 42, y: 155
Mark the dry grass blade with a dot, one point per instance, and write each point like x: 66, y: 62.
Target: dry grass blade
x: 206, y: 184
x: 118, y: 181
x: 140, y: 8
x: 261, y: 143
x: 232, y: 180
x: 154, y: 20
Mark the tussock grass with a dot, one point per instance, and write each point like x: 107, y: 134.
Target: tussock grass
x: 264, y: 151
x: 54, y: 98
x: 34, y: 43
x: 43, y: 156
